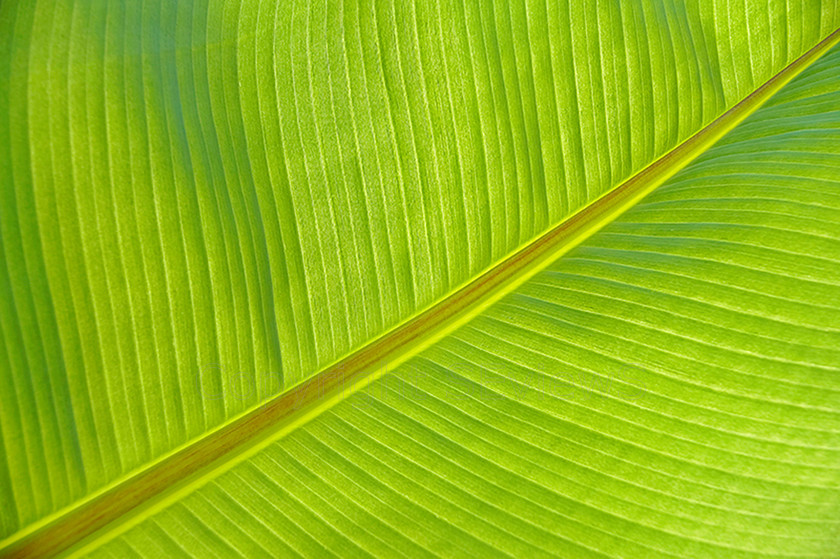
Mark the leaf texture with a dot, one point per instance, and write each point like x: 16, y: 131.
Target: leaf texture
x: 203, y: 203
x: 630, y: 400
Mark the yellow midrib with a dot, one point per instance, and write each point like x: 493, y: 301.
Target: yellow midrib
x: 126, y: 502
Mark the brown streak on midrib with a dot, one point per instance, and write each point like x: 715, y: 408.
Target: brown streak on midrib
x: 203, y: 455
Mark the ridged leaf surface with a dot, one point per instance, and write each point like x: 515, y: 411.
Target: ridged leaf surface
x: 203, y: 204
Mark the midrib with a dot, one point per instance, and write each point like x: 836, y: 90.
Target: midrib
x: 126, y: 502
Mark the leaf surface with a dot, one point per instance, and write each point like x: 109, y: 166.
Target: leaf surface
x: 203, y: 205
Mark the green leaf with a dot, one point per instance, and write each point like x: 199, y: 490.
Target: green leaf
x: 424, y: 209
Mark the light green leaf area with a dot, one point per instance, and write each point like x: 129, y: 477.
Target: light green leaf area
x: 669, y: 388
x: 204, y: 203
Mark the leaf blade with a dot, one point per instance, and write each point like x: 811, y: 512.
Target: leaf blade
x: 586, y: 414
x: 255, y: 430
